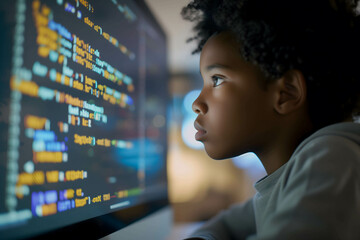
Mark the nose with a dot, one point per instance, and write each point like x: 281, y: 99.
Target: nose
x: 199, y: 106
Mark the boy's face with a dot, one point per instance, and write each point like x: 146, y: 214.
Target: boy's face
x: 235, y: 114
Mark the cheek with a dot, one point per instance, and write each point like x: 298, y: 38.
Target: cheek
x: 229, y: 104
x: 236, y: 118
x: 230, y: 135
x: 226, y: 115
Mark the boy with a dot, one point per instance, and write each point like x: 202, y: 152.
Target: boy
x: 280, y: 80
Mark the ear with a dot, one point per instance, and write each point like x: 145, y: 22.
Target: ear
x: 290, y: 92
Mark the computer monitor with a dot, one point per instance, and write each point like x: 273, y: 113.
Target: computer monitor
x: 83, y: 133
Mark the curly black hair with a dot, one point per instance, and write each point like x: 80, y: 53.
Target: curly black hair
x: 318, y: 37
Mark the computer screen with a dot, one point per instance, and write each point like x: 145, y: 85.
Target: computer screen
x: 83, y: 105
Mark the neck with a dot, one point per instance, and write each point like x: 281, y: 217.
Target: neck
x: 275, y: 158
x: 281, y: 147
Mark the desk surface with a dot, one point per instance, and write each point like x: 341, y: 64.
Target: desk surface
x: 183, y: 230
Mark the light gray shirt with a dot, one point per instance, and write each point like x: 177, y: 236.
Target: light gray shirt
x: 315, y: 195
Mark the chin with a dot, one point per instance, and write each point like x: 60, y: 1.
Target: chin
x: 218, y: 155
x: 221, y: 154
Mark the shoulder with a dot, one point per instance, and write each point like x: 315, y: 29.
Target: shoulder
x: 329, y: 147
x: 338, y: 142
x: 331, y: 154
x: 318, y: 191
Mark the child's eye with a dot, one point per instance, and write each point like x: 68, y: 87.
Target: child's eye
x: 217, y: 81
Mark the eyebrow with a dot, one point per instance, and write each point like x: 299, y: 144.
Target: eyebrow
x: 210, y: 67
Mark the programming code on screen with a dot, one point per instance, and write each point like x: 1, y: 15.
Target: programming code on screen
x: 83, y: 113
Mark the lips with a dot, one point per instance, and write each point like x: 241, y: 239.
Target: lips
x: 201, y: 132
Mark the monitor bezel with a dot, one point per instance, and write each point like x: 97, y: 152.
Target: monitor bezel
x: 100, y: 226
